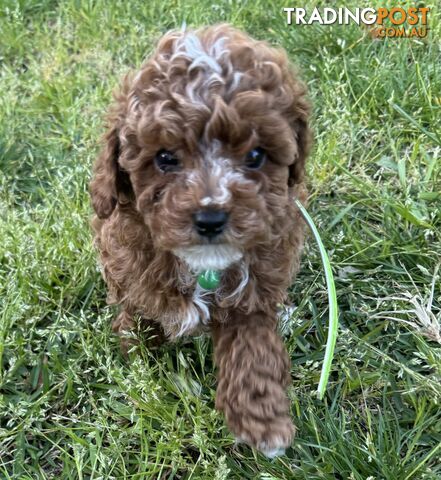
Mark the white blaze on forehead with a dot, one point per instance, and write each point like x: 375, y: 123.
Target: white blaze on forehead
x: 222, y: 176
x: 191, y: 47
x: 212, y: 63
x: 208, y: 257
x: 218, y: 181
x: 206, y: 201
x: 206, y: 60
x: 218, y: 175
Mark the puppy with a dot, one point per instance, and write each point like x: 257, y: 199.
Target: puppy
x: 203, y: 157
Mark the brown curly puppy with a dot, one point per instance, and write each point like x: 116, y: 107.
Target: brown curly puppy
x: 204, y: 154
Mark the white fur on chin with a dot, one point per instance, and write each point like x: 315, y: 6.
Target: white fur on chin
x: 208, y: 257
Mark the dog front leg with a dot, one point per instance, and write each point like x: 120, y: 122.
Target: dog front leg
x: 122, y: 325
x: 253, y: 373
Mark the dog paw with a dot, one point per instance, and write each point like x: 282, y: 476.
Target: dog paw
x: 123, y: 326
x: 271, y: 438
x: 276, y: 447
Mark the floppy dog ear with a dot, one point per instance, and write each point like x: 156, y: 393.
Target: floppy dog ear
x: 303, y: 136
x: 109, y: 180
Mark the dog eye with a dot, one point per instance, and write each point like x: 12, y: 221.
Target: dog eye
x: 166, y: 161
x: 255, y: 158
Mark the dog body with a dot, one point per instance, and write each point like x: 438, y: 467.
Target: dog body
x: 202, y: 159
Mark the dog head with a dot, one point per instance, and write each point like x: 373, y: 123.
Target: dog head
x: 206, y: 140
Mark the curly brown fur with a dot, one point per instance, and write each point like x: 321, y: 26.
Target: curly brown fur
x: 209, y: 97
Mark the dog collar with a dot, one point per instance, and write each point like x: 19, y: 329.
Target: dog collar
x: 209, y: 279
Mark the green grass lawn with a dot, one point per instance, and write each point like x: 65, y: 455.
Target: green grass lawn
x: 71, y: 407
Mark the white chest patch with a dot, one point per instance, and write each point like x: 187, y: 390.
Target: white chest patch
x: 207, y: 257
x: 197, y: 313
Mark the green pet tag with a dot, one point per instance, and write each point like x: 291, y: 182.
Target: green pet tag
x: 209, y: 279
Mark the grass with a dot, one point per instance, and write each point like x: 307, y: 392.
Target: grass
x: 332, y: 304
x: 71, y: 407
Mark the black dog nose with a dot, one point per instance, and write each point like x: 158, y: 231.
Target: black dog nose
x: 210, y: 223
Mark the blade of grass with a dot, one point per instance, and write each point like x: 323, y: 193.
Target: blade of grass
x: 332, y: 299
x: 434, y: 137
